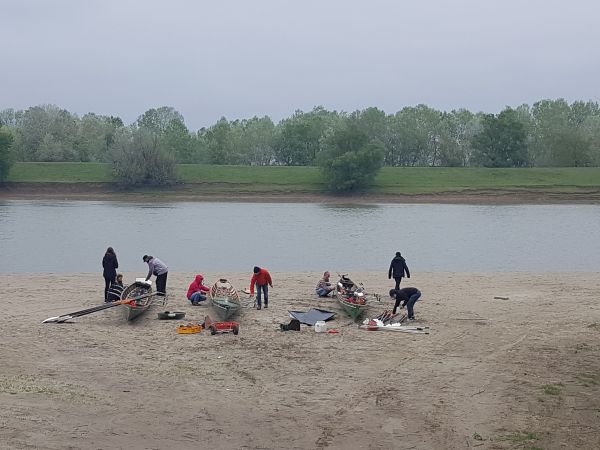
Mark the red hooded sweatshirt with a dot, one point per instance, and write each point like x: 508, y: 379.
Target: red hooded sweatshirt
x: 197, y: 286
x: 262, y: 277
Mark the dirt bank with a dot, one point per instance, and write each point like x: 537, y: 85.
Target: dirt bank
x: 207, y: 192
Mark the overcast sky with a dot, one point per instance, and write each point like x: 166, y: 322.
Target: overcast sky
x: 241, y: 58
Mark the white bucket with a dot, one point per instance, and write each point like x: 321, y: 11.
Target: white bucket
x: 320, y: 326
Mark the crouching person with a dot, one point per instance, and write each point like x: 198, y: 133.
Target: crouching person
x: 197, y: 291
x: 324, y: 287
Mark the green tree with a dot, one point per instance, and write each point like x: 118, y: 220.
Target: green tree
x: 415, y: 137
x: 349, y: 161
x: 95, y: 137
x: 219, y: 143
x: 177, y: 140
x: 11, y: 118
x: 373, y: 122
x: 139, y: 159
x: 560, y: 136
x: 48, y: 133
x: 456, y: 131
x: 502, y: 141
x: 6, y: 158
x: 591, y: 132
x: 257, y: 142
x: 158, y: 119
x: 299, y: 138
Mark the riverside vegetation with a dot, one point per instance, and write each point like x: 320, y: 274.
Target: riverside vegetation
x: 348, y: 148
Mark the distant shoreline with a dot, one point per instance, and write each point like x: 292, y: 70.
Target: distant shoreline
x: 208, y: 193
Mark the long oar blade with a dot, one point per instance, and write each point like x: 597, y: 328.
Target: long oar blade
x: 83, y: 312
x: 58, y: 319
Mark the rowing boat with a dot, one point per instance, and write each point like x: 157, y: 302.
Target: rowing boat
x: 351, y: 297
x: 225, y: 299
x: 135, y: 299
x: 140, y: 298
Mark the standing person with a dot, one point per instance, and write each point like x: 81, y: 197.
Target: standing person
x: 197, y: 291
x: 324, y: 287
x: 409, y: 296
x: 160, y: 269
x: 398, y: 269
x: 110, y: 266
x: 262, y: 279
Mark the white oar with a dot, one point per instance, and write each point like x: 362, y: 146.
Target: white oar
x: 83, y: 312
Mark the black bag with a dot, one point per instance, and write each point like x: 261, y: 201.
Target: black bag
x: 294, y: 325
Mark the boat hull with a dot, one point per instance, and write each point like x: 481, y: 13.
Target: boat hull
x: 225, y: 299
x: 135, y: 308
x: 132, y: 312
x: 351, y: 298
x: 352, y: 309
x: 225, y: 308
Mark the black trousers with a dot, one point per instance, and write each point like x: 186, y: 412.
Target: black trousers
x: 161, y: 284
x: 107, y: 283
x: 398, y: 280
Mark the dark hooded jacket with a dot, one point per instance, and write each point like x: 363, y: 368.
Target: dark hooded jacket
x: 110, y: 266
x: 398, y: 268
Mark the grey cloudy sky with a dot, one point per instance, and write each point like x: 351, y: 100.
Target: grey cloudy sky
x: 240, y: 58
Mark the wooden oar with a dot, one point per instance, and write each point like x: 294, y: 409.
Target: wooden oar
x: 83, y: 312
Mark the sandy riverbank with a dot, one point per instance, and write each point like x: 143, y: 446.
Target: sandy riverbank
x: 493, y: 373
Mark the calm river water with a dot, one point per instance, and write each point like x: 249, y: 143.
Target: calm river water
x: 71, y: 236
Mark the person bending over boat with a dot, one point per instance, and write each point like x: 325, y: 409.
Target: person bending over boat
x: 398, y: 269
x: 407, y: 295
x: 262, y: 279
x: 324, y: 287
x: 109, y: 266
x: 160, y: 270
x: 197, y: 291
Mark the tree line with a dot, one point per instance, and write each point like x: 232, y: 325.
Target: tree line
x: 349, y: 147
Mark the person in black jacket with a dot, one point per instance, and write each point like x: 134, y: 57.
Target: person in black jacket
x: 110, y: 265
x: 409, y: 296
x: 116, y: 289
x: 398, y: 269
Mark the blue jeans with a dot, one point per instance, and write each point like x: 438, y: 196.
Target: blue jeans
x: 265, y: 289
x: 197, y: 297
x: 322, y: 292
x: 411, y: 303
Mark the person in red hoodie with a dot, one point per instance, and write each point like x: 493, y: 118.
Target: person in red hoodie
x: 197, y: 291
x: 262, y: 279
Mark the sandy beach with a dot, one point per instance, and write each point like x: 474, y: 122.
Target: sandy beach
x: 515, y: 373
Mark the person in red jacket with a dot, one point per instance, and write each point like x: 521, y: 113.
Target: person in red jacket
x: 197, y: 291
x: 262, y: 279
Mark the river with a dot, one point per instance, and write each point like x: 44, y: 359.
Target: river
x: 72, y: 236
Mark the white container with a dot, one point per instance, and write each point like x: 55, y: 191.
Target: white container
x: 320, y: 326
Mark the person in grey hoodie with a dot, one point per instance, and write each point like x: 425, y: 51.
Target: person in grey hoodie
x: 398, y: 269
x: 160, y: 270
